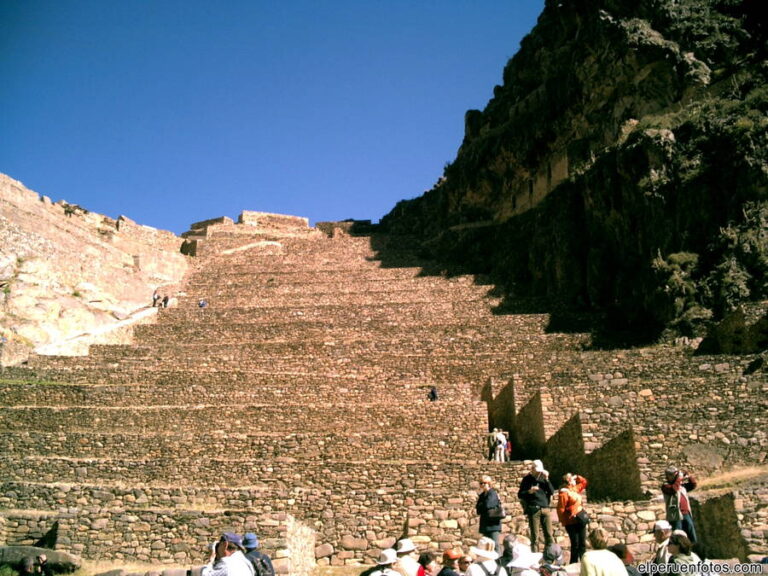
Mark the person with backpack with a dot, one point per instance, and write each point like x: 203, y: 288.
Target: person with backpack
x: 676, y: 502
x: 485, y: 559
x: 262, y: 565
x: 551, y: 563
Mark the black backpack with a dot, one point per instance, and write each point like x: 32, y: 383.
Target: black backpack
x: 261, y: 567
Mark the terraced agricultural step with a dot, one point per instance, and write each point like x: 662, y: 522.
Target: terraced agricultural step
x: 254, y: 418
x: 500, y: 327
x: 180, y: 390
x: 465, y: 444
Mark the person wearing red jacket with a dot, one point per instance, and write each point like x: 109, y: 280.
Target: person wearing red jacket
x: 569, y: 504
x: 676, y: 502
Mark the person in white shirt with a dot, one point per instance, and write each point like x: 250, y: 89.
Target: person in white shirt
x: 387, y: 559
x: 406, y: 563
x: 227, y: 558
x: 662, y: 530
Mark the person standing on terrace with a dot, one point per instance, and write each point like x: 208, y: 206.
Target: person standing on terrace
x: 676, y: 486
x: 569, y: 512
x: 535, y: 493
x: 489, y: 509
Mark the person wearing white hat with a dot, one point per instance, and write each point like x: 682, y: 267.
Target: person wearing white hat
x: 517, y: 559
x: 485, y: 559
x: 535, y: 493
x: 387, y: 559
x: 662, y: 530
x: 406, y: 563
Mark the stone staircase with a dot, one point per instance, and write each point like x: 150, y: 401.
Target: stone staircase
x: 295, y: 406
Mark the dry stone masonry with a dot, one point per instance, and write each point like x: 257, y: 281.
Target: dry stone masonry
x: 295, y: 405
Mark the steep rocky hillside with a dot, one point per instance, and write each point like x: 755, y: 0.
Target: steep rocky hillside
x: 70, y: 277
x: 621, y: 167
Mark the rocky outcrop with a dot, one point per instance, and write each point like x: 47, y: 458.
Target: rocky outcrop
x: 58, y: 561
x: 70, y: 277
x: 626, y: 137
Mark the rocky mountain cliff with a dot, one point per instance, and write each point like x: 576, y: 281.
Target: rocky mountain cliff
x: 69, y: 277
x: 621, y: 167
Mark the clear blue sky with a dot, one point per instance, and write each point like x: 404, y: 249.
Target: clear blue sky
x: 175, y: 111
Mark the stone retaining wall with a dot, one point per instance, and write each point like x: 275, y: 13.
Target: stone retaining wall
x: 644, y: 398
x: 435, y: 521
x: 326, y: 418
x: 315, y: 447
x: 125, y: 535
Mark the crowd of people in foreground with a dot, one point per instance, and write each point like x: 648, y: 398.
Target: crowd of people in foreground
x: 673, y: 550
x: 536, y: 494
x: 233, y: 555
x: 590, y: 554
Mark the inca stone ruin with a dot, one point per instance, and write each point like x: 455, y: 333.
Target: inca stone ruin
x: 295, y: 405
x: 620, y: 172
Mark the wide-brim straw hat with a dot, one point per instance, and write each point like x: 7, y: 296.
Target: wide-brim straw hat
x: 486, y: 548
x: 387, y: 556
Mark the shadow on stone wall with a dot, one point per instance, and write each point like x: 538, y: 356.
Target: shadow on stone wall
x: 612, y: 469
x: 718, y: 528
x: 526, y: 426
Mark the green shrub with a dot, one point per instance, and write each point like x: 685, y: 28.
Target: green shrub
x: 6, y: 570
x: 678, y: 292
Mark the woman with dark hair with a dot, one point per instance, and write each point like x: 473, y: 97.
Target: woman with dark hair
x: 427, y: 564
x: 570, y: 512
x: 681, y: 551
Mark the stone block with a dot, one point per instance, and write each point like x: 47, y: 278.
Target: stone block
x: 324, y: 550
x: 352, y: 543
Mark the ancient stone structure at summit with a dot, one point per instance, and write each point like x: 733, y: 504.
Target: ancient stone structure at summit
x: 295, y: 405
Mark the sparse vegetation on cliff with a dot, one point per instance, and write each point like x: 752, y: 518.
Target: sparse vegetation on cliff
x: 623, y: 165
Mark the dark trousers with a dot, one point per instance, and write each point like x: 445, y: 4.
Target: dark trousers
x: 540, y: 518
x: 686, y: 524
x: 577, y: 533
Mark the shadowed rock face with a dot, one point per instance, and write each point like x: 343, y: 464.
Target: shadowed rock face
x: 65, y: 271
x: 624, y: 134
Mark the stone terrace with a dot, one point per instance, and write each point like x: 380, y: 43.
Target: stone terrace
x: 295, y: 406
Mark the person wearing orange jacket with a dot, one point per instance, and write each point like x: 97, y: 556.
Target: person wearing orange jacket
x: 571, y: 513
